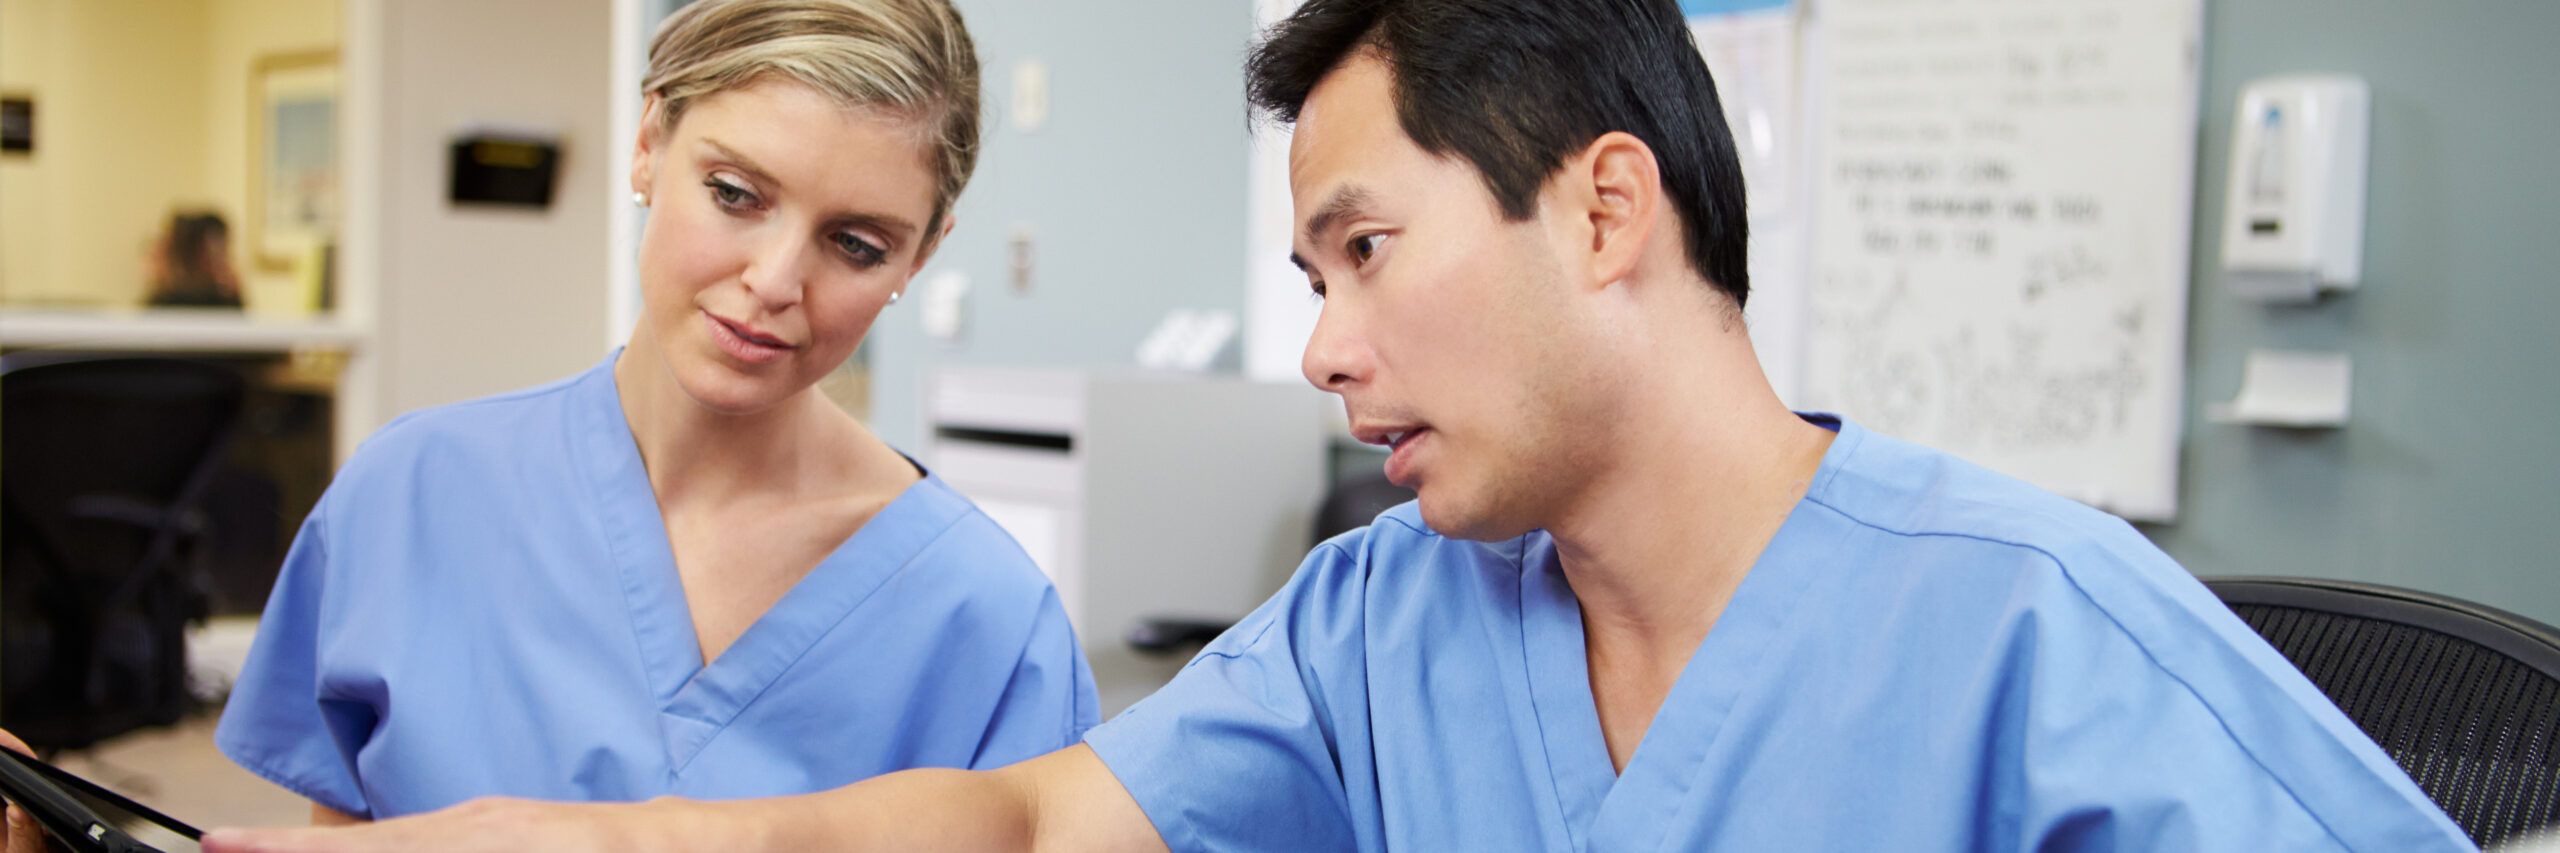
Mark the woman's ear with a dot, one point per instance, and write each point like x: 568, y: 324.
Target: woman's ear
x: 645, y: 148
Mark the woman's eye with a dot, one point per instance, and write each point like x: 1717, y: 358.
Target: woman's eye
x: 1365, y: 245
x: 729, y: 195
x: 863, y: 252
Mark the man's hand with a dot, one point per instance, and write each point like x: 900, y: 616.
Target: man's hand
x: 490, y: 824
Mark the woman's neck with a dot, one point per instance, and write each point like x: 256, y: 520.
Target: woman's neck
x: 801, y: 447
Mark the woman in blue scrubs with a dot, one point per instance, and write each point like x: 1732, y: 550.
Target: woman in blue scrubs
x: 684, y: 571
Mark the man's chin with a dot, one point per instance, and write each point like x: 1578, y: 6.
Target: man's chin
x: 1460, y: 516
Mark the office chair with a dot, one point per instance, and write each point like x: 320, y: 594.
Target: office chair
x: 2466, y: 698
x: 103, y: 466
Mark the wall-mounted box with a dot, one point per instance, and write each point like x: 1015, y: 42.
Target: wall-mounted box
x: 504, y: 170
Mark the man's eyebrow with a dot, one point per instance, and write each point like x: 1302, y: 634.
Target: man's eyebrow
x: 1345, y: 201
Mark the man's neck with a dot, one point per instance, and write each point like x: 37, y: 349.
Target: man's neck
x: 1696, y: 485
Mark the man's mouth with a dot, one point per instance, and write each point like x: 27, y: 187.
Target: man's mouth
x: 1386, y: 435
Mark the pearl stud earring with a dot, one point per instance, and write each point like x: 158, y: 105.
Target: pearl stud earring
x: 640, y: 199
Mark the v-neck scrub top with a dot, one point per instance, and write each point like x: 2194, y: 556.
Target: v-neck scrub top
x: 1927, y: 656
x: 485, y: 603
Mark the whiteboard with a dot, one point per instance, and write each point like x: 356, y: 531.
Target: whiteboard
x: 2003, y: 204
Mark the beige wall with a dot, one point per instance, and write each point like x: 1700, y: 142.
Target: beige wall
x: 119, y: 111
x: 141, y: 108
x: 478, y: 300
x: 23, y: 26
x: 238, y: 33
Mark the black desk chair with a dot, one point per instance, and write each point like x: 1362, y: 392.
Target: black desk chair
x: 103, y: 466
x: 2466, y: 698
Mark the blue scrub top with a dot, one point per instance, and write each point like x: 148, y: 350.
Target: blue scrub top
x: 1928, y: 656
x: 485, y: 603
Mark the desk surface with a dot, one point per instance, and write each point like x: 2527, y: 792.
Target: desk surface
x: 171, y: 329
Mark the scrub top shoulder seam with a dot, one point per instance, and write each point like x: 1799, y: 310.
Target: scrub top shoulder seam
x: 2066, y: 574
x: 1423, y: 529
x: 1265, y: 630
x: 521, y: 395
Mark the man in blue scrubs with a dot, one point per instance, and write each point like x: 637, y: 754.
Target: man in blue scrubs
x: 1639, y: 605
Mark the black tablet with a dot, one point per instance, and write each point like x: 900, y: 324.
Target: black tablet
x: 85, y: 818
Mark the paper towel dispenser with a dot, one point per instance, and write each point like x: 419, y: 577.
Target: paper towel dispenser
x: 2294, y: 224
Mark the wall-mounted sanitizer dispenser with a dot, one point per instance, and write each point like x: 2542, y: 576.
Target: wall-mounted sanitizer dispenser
x: 2295, y: 219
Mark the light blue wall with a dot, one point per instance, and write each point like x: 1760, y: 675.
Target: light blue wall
x: 1134, y: 191
x: 2447, y: 477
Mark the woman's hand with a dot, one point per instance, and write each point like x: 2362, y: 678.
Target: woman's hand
x: 20, y: 835
x: 488, y: 824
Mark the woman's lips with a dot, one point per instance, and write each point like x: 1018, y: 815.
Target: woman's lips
x: 744, y: 344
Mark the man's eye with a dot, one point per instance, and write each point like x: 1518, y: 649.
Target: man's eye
x: 1365, y: 245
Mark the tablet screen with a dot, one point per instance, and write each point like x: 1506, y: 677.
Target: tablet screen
x: 145, y: 824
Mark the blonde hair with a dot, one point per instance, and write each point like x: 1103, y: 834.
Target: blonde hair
x: 912, y: 58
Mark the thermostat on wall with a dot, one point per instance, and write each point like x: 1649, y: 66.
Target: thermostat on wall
x: 504, y: 170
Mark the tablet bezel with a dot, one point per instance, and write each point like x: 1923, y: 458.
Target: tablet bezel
x: 38, y: 787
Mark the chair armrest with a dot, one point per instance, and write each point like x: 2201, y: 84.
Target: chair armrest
x: 120, y: 508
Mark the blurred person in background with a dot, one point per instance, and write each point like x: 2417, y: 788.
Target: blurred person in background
x: 190, y: 264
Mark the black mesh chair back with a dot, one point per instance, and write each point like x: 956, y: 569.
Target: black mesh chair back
x: 2466, y: 698
x: 103, y: 463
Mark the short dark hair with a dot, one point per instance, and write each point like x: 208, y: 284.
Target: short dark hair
x: 1517, y: 86
x: 189, y: 233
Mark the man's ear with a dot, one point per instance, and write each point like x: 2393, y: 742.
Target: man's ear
x: 644, y: 149
x: 1622, y: 198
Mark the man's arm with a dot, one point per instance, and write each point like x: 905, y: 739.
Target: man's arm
x: 1064, y: 801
